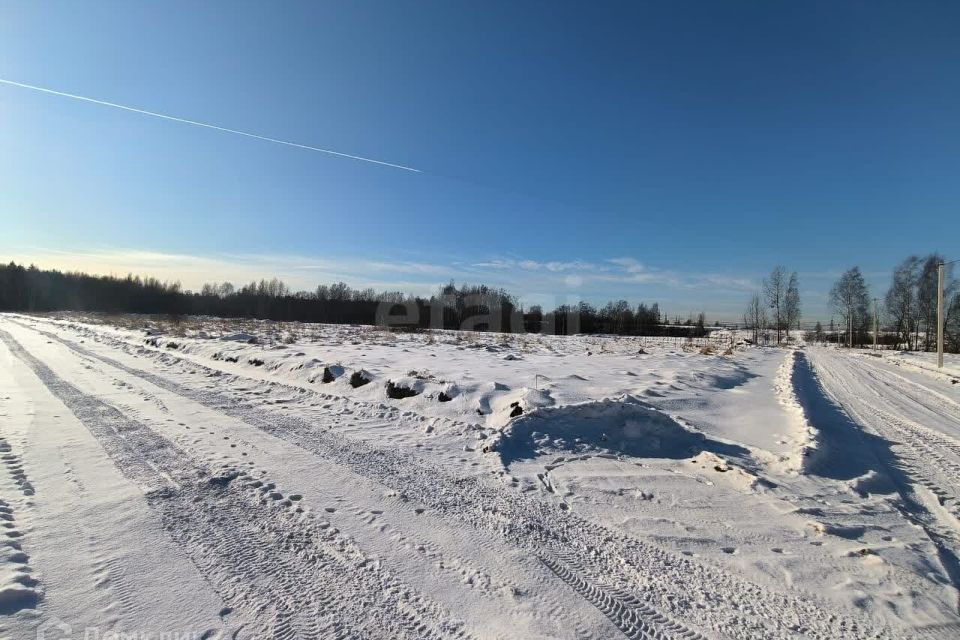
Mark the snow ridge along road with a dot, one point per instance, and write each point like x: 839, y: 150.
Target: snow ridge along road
x: 645, y: 591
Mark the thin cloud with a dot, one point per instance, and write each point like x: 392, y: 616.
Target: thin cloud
x: 408, y: 267
x: 206, y: 125
x: 555, y: 266
x: 631, y: 265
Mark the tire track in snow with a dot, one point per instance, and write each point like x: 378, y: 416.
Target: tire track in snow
x: 709, y: 597
x: 276, y: 567
x: 478, y: 539
x: 445, y: 556
x: 631, y: 624
x: 835, y: 378
x: 629, y: 614
x: 448, y: 555
x: 923, y: 449
x: 930, y: 456
x: 927, y: 394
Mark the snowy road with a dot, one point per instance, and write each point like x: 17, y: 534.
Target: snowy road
x: 918, y: 415
x: 151, y: 493
x: 911, y: 430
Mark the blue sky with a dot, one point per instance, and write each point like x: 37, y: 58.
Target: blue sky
x: 656, y: 151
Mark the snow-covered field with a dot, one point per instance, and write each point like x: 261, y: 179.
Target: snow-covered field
x: 268, y: 480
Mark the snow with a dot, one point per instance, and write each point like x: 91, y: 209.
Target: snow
x: 225, y: 479
x: 927, y: 363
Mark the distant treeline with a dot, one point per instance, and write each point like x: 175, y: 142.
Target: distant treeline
x: 466, y: 307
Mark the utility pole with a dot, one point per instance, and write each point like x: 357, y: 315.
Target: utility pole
x: 940, y: 314
x: 850, y: 333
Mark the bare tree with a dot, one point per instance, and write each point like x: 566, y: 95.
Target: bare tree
x: 755, y: 316
x: 792, y: 303
x: 927, y: 299
x: 339, y: 291
x: 952, y: 325
x: 850, y: 298
x: 774, y: 290
x: 219, y: 290
x: 900, y: 301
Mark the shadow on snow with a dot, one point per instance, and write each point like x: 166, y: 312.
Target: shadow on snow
x: 846, y: 452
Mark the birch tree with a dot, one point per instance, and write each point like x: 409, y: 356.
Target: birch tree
x: 755, y: 316
x: 774, y: 290
x: 850, y: 298
x: 792, y: 303
x: 901, y: 299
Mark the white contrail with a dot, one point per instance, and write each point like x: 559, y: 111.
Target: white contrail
x: 204, y: 124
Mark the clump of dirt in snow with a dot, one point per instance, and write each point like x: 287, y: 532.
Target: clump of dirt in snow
x: 399, y: 392
x: 421, y: 375
x: 359, y: 378
x: 248, y: 338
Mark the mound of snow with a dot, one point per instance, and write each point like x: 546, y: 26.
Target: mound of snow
x: 624, y: 426
x: 501, y: 403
